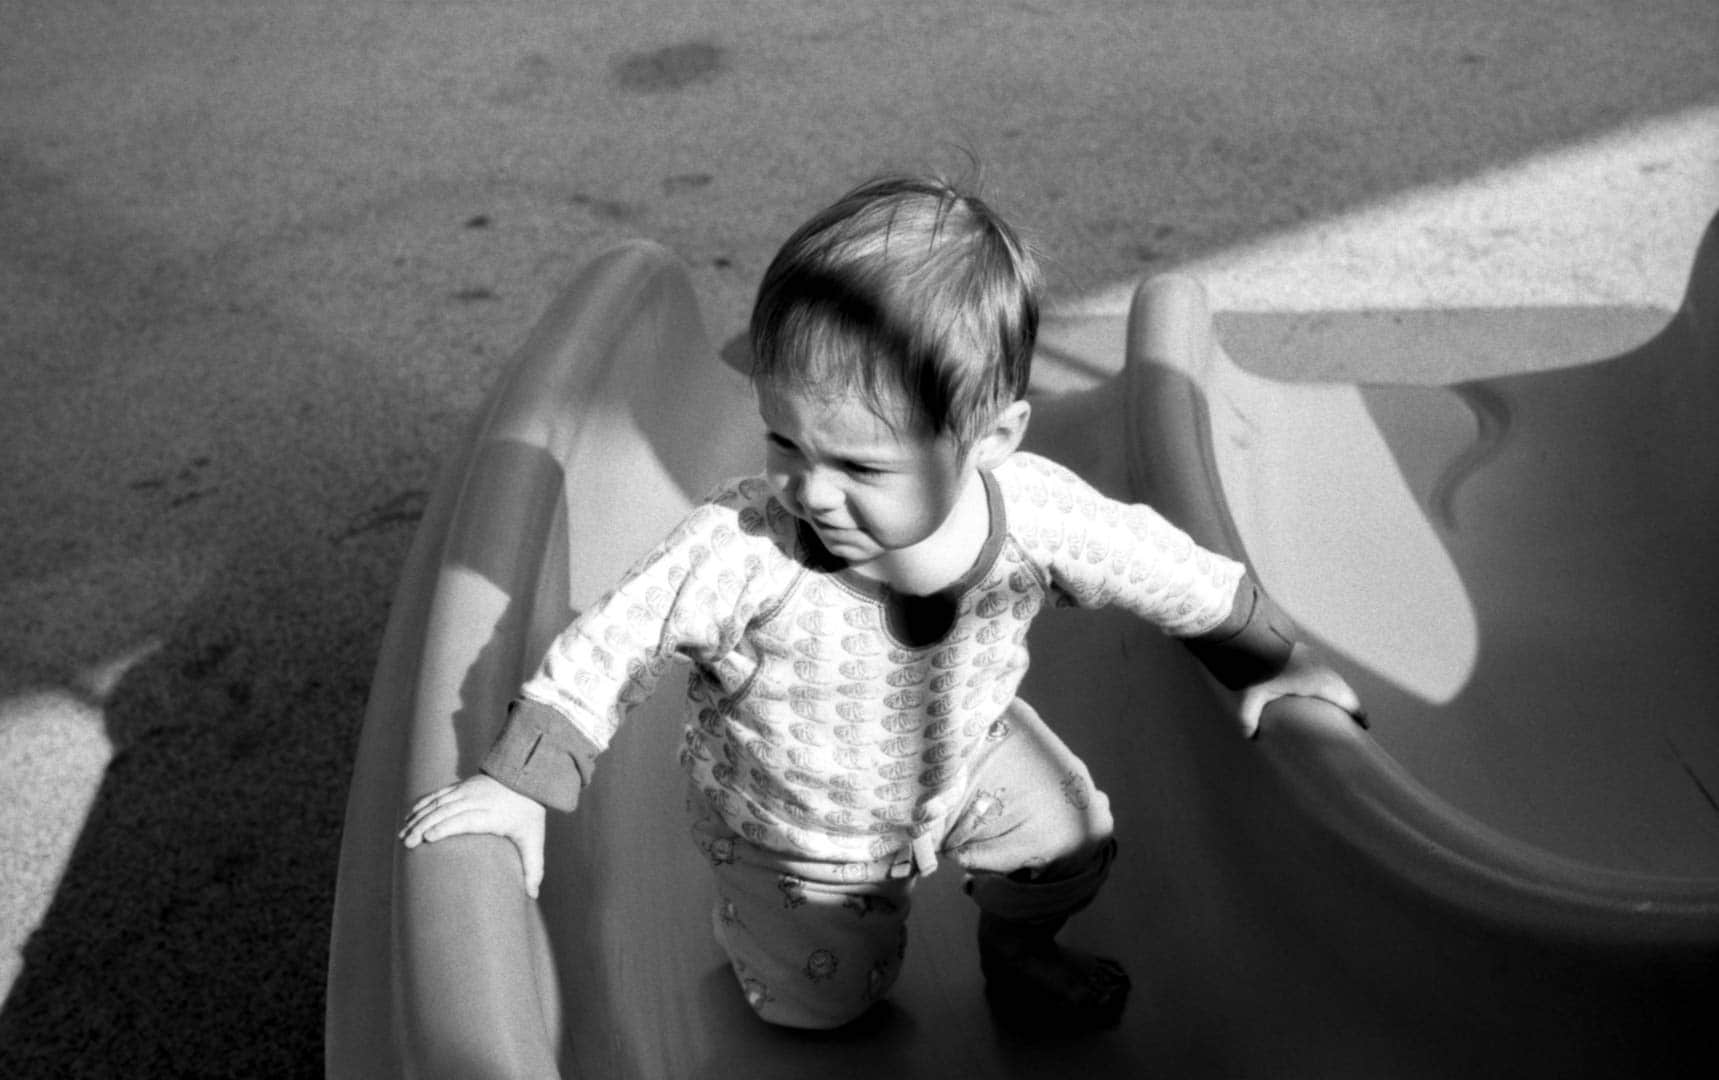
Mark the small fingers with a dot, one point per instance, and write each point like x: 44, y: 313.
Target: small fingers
x: 422, y: 818
x: 443, y: 798
x: 433, y: 799
x: 1344, y: 697
x: 439, y: 823
x: 431, y: 810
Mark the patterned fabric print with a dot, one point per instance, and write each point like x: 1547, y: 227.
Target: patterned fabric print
x: 808, y: 948
x: 1101, y: 552
x: 811, y: 728
x: 821, y: 965
x: 850, y: 744
x: 691, y: 597
x: 1032, y: 807
x: 812, y: 948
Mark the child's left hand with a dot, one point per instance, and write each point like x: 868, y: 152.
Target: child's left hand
x: 1302, y: 676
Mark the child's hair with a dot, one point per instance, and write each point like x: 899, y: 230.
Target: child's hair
x: 907, y: 288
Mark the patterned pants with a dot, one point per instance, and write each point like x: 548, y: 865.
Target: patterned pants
x: 814, y: 944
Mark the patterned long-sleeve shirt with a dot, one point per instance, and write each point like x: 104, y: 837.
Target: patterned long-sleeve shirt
x: 827, y: 715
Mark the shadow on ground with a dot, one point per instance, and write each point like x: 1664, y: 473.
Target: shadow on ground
x: 257, y: 267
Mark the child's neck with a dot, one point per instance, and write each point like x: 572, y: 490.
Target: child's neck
x: 944, y: 557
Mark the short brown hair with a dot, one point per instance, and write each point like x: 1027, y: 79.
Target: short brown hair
x: 904, y: 284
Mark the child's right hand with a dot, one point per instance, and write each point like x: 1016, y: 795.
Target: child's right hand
x: 482, y: 804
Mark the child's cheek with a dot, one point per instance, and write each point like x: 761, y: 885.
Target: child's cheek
x: 899, y: 517
x: 781, y: 488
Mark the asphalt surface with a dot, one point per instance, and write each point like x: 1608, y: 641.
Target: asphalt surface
x: 260, y: 260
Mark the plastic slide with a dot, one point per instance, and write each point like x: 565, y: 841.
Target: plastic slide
x: 1516, y: 873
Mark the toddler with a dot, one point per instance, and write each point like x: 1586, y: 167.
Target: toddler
x: 856, y: 621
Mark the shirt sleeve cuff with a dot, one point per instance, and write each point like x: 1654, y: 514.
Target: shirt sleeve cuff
x: 1253, y: 642
x: 541, y: 756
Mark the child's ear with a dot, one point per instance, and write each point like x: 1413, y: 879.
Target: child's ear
x: 1004, y: 436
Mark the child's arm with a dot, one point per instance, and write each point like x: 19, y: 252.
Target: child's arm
x: 1254, y: 652
x: 538, y: 762
x: 1100, y: 552
x: 685, y: 598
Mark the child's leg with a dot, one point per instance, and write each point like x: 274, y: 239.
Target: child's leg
x: 811, y: 948
x: 1035, y: 840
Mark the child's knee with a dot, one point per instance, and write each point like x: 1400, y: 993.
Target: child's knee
x: 807, y: 1010
x: 824, y: 990
x: 1056, y: 888
x: 809, y: 958
x: 1092, y: 823
x: 1008, y: 828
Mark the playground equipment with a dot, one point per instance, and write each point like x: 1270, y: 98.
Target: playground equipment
x: 1516, y: 874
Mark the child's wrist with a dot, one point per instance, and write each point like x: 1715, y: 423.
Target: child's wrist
x: 539, y: 756
x: 1254, y: 643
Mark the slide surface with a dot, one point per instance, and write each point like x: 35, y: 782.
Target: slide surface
x: 1518, y: 876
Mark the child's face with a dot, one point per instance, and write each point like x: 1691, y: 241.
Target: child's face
x: 865, y: 485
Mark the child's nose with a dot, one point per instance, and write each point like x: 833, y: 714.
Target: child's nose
x: 818, y: 491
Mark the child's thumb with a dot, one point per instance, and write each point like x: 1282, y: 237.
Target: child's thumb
x: 531, y: 861
x: 1251, y: 707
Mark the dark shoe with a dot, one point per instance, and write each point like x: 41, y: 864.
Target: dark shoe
x: 1037, y: 987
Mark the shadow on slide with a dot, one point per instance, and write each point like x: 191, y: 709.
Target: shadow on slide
x: 1517, y: 574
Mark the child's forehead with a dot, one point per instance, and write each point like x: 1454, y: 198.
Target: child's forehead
x: 838, y: 411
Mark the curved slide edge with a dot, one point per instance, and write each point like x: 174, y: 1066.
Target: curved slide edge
x: 1346, y: 785
x: 439, y: 964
